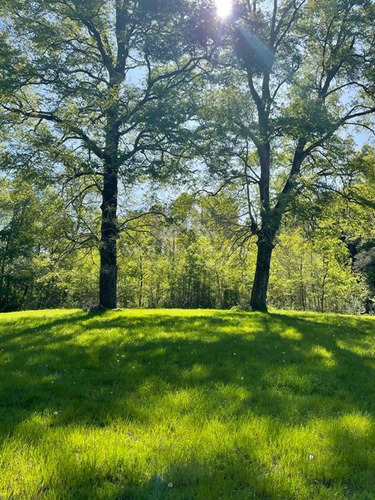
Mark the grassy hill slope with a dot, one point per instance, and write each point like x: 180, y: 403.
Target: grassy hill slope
x: 186, y: 404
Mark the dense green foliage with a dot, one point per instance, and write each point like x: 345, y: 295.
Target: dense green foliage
x: 276, y: 120
x: 219, y: 404
x: 93, y: 87
x: 196, y: 257
x: 101, y: 101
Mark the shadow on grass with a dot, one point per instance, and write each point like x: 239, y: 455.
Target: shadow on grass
x: 96, y: 369
x: 286, y: 365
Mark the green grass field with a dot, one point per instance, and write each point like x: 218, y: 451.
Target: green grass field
x: 186, y: 405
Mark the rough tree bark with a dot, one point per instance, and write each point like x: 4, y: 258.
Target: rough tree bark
x: 258, y: 300
x: 108, y: 243
x: 271, y: 221
x: 109, y: 222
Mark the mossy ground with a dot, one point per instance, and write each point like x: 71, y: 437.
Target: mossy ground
x: 186, y: 405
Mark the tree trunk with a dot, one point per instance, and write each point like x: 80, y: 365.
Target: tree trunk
x: 108, y: 242
x: 258, y: 300
x: 109, y: 229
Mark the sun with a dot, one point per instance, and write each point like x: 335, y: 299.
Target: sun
x: 223, y: 8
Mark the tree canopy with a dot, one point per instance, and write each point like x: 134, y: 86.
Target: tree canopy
x: 261, y: 108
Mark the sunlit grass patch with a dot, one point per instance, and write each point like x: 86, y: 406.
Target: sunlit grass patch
x: 186, y: 404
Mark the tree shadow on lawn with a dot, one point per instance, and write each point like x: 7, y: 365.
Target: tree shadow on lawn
x: 285, y: 367
x: 95, y: 370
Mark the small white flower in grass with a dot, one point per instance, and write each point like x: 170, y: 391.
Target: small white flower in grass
x: 170, y: 485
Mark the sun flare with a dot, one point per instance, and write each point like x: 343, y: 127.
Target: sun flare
x: 223, y: 8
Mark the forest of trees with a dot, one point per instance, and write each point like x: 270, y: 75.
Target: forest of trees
x: 156, y: 154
